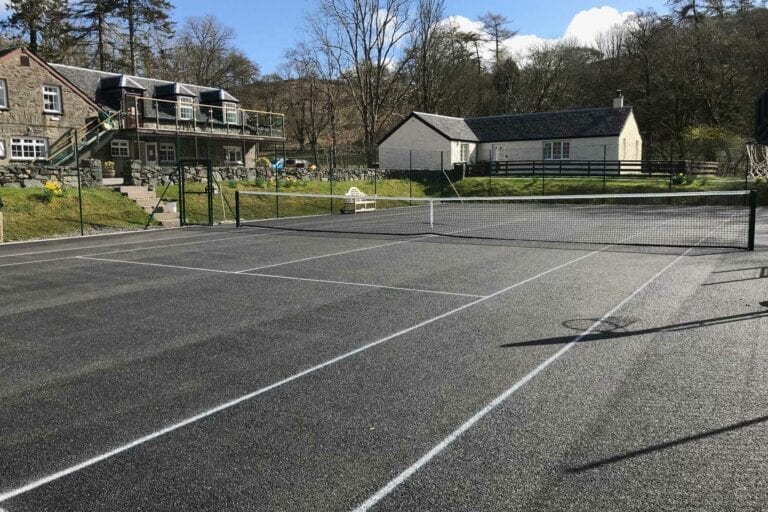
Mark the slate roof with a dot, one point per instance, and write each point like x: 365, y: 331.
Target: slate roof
x: 568, y: 124
x: 90, y: 81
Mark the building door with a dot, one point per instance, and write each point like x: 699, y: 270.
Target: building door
x: 150, y: 153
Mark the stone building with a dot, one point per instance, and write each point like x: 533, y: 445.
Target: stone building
x: 55, y: 113
x: 37, y: 106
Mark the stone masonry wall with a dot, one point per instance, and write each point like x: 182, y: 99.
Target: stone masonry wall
x: 24, y: 115
x: 34, y: 176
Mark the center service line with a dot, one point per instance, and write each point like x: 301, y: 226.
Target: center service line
x: 442, y: 445
x: 154, y: 435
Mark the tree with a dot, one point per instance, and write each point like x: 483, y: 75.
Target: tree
x: 495, y: 26
x: 97, y: 28
x: 148, y: 24
x: 45, y: 24
x: 204, y: 53
x: 364, y: 37
x: 426, y: 55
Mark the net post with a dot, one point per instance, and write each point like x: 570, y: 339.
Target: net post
x: 237, y: 208
x: 431, y: 214
x: 752, y: 218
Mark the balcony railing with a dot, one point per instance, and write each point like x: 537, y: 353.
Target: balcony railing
x: 166, y: 115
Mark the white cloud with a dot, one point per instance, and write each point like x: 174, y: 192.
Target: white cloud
x: 587, y: 25
x: 583, y: 28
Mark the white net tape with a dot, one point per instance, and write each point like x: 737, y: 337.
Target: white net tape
x: 758, y: 160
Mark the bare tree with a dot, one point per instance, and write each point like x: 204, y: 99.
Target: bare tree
x: 364, y: 39
x: 204, y: 53
x: 495, y: 26
x: 425, y: 53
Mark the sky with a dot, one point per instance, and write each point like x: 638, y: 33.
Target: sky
x: 267, y: 28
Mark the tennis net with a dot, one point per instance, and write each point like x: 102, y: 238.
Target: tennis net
x: 707, y: 219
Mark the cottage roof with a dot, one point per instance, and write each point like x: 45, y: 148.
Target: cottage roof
x: 454, y: 128
x: 90, y: 81
x: 568, y: 124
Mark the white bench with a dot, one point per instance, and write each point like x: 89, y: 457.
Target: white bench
x: 356, y: 201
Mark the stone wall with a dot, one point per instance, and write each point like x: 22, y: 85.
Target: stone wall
x: 34, y: 176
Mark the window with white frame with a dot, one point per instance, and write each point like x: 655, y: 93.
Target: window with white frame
x: 120, y: 149
x: 28, y: 148
x: 2, y: 149
x: 557, y: 150
x: 233, y: 155
x: 167, y: 152
x: 3, y: 93
x: 230, y: 113
x: 464, y: 153
x: 185, y: 108
x: 52, y: 99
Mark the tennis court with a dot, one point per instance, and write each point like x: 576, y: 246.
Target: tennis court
x: 285, y: 366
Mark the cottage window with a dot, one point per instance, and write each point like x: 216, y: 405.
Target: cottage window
x: 464, y: 153
x: 2, y: 149
x: 167, y: 152
x: 28, y: 148
x: 230, y: 113
x: 52, y: 99
x: 3, y: 93
x: 233, y: 155
x: 120, y: 149
x: 185, y: 108
x: 557, y: 150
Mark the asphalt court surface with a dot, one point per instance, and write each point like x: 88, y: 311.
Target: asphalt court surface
x: 225, y: 369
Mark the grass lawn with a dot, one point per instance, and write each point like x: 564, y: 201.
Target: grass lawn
x: 29, y: 215
x: 583, y: 185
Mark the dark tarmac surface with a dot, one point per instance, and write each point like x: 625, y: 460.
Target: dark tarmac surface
x: 224, y: 369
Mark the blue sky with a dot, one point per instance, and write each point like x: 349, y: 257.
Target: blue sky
x: 266, y: 28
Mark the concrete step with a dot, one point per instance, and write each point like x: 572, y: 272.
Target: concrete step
x: 112, y: 182
x: 164, y: 216
x: 171, y: 223
x: 149, y: 202
x: 125, y: 189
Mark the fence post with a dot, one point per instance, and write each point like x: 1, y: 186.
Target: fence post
x: 752, y: 212
x: 237, y: 208
x: 330, y: 181
x: 277, y: 190
x: 79, y: 186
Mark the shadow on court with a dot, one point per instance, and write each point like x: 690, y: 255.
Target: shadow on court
x: 665, y: 445
x: 613, y: 324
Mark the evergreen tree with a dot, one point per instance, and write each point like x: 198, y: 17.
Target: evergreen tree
x: 148, y: 24
x: 97, y: 27
x: 43, y: 24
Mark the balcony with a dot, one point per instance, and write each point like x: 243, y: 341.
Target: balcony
x: 155, y: 115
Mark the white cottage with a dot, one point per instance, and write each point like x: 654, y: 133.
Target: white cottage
x: 427, y: 141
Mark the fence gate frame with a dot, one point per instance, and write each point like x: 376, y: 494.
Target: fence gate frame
x: 181, y: 164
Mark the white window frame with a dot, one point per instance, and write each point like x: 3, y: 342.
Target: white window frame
x: 230, y: 112
x: 3, y: 94
x: 120, y: 148
x: 52, y: 96
x: 464, y: 153
x: 2, y: 149
x: 239, y: 152
x: 557, y: 150
x: 185, y: 108
x: 29, y: 148
x: 167, y: 152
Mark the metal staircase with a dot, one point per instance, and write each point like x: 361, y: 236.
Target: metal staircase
x: 78, y: 141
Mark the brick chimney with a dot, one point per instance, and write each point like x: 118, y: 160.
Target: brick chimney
x: 618, y: 101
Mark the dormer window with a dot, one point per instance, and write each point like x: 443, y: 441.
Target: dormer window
x: 230, y: 113
x: 185, y: 110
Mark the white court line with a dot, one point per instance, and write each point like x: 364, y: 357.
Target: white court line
x: 442, y: 445
x: 333, y: 254
x: 137, y: 249
x: 96, y: 246
x: 154, y: 435
x: 289, y: 278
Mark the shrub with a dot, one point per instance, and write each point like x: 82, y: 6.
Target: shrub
x: 678, y: 179
x: 232, y: 183
x: 263, y: 162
